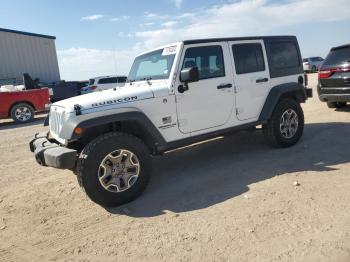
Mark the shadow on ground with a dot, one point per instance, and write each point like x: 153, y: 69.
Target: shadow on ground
x: 202, y: 176
x: 10, y: 124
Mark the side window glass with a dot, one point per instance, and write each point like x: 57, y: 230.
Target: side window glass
x: 284, y: 55
x: 208, y: 59
x: 248, y: 58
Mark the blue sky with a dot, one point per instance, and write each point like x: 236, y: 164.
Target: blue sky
x: 101, y: 37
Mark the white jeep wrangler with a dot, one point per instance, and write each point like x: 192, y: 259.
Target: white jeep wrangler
x: 175, y: 95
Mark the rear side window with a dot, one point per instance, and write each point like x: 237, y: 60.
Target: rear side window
x: 248, y: 58
x: 110, y: 80
x: 337, y: 57
x: 208, y: 59
x: 284, y: 54
x: 122, y: 79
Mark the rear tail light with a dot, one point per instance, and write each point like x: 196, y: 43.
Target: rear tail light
x: 93, y: 87
x: 326, y: 73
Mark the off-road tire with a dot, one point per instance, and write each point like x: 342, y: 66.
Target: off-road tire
x: 27, y: 107
x: 336, y: 104
x: 271, y: 129
x: 89, y: 161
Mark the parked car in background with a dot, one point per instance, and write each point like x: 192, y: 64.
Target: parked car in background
x: 22, y: 105
x: 312, y: 64
x: 103, y: 83
x: 334, y: 77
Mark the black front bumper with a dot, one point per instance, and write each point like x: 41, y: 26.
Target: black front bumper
x: 49, y: 153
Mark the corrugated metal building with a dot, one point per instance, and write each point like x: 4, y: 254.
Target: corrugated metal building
x: 22, y: 52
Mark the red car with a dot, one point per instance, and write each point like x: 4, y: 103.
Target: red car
x: 22, y: 105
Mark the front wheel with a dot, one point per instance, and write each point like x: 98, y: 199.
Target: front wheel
x: 286, y: 124
x: 114, y: 169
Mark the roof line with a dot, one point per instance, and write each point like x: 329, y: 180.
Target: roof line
x: 209, y: 40
x: 26, y: 33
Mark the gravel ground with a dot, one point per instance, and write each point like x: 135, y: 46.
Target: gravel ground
x: 231, y: 199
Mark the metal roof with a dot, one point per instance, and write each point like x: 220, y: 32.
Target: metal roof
x: 26, y: 33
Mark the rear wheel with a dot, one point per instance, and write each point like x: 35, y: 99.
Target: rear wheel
x: 286, y: 124
x: 336, y: 104
x: 22, y: 113
x: 114, y: 169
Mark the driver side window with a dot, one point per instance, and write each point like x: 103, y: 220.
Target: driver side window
x: 208, y: 59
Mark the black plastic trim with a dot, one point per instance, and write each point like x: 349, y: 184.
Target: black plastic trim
x: 206, y: 136
x: 104, y: 117
x: 295, y: 89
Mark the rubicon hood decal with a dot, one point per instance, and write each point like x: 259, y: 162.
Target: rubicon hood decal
x: 115, y: 101
x: 107, y: 99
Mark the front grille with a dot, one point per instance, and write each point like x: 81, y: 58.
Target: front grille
x: 56, y: 119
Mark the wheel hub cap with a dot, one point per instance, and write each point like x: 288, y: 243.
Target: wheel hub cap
x: 22, y: 113
x: 289, y: 123
x: 119, y: 170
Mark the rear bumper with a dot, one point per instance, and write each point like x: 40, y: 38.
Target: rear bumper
x: 333, y: 94
x: 48, y: 153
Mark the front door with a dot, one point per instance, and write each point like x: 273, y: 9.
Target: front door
x: 209, y: 102
x: 251, y: 76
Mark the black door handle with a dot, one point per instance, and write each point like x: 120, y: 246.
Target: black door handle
x: 224, y: 86
x: 260, y: 80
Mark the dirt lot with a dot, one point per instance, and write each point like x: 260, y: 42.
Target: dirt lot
x: 232, y: 199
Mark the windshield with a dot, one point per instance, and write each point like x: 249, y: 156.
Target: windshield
x: 153, y: 65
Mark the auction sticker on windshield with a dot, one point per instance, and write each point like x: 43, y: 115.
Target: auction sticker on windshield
x: 170, y: 50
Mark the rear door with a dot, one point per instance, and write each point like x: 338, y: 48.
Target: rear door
x: 251, y: 77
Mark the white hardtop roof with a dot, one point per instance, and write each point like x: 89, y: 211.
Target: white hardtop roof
x: 160, y: 47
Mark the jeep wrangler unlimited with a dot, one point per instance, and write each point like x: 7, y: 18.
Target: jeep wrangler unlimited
x: 176, y: 95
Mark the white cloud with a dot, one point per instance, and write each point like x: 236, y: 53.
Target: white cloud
x: 92, y: 17
x: 84, y: 63
x: 169, y: 23
x: 177, y: 3
x: 147, y: 24
x: 250, y: 17
x: 236, y: 18
x: 120, y: 18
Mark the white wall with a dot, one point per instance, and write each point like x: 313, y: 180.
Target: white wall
x: 28, y: 54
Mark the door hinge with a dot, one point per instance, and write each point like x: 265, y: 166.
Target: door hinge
x: 235, y: 89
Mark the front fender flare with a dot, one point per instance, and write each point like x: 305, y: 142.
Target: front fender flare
x: 95, y: 119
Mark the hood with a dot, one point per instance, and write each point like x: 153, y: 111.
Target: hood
x: 111, y: 98
x: 114, y: 98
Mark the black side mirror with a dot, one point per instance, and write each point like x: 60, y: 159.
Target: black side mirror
x: 189, y: 75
